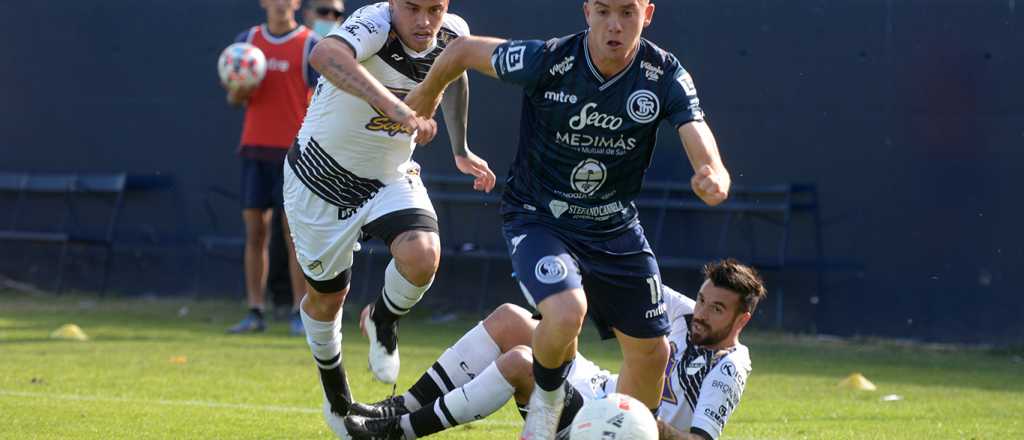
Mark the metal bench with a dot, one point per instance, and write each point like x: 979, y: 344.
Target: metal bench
x: 60, y: 199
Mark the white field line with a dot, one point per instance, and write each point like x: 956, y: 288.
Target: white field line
x: 200, y: 404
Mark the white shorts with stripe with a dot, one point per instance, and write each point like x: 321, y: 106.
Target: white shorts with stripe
x: 325, y: 235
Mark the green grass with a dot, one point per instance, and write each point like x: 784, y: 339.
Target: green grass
x: 122, y: 383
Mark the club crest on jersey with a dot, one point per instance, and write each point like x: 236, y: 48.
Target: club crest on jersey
x: 588, y: 176
x: 643, y: 106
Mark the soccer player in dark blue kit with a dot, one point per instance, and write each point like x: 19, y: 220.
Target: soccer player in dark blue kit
x: 592, y: 105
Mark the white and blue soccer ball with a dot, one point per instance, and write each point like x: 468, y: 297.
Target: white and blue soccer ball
x: 614, y: 417
x: 242, y: 65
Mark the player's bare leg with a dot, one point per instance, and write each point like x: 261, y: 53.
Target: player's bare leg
x: 321, y: 317
x: 554, y: 347
x: 643, y: 367
x: 408, y: 276
x: 256, y: 262
x: 516, y: 366
x: 296, y: 277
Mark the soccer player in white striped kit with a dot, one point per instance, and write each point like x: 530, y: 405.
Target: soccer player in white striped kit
x: 349, y: 174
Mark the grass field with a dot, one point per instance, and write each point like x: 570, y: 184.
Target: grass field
x: 129, y: 380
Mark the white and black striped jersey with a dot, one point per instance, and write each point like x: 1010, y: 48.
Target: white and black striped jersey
x: 702, y: 387
x: 357, y: 137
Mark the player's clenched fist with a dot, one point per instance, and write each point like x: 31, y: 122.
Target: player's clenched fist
x: 424, y: 127
x: 710, y: 185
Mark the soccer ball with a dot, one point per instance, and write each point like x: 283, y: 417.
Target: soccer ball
x: 242, y: 65
x: 615, y: 417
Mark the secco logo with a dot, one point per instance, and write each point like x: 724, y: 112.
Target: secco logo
x: 643, y: 106
x: 560, y: 96
x: 596, y: 119
x: 382, y: 123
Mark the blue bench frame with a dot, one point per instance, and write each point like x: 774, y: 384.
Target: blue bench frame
x: 70, y: 187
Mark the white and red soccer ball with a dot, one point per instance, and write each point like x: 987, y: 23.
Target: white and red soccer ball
x: 242, y: 65
x: 616, y: 416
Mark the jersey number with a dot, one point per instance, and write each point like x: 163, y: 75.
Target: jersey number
x: 654, y: 283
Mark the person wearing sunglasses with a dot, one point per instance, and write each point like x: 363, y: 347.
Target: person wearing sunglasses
x: 323, y: 15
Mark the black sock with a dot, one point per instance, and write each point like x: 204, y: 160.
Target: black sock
x: 549, y: 379
x: 381, y: 313
x: 335, y: 384
x: 425, y: 390
x: 573, y: 404
x: 426, y: 421
x: 257, y: 312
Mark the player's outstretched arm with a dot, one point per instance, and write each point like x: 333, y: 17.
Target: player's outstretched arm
x: 336, y: 61
x: 463, y: 53
x: 711, y: 181
x: 455, y: 106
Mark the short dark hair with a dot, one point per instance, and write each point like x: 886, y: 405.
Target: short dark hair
x: 735, y: 276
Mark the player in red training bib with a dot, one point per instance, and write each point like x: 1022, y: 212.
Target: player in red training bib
x: 274, y: 110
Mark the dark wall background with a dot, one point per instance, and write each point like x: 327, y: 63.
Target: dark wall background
x: 907, y: 114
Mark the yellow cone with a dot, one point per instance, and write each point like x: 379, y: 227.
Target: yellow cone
x: 179, y: 360
x: 857, y: 381
x: 69, y: 332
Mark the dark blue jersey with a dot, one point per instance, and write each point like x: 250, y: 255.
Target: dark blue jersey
x: 585, y: 141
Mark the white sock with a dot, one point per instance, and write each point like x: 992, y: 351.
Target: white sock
x: 550, y: 398
x: 407, y: 431
x: 481, y: 397
x: 459, y: 364
x: 399, y: 294
x: 324, y: 339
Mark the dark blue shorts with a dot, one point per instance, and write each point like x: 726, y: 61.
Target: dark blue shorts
x: 262, y: 181
x: 619, y: 275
